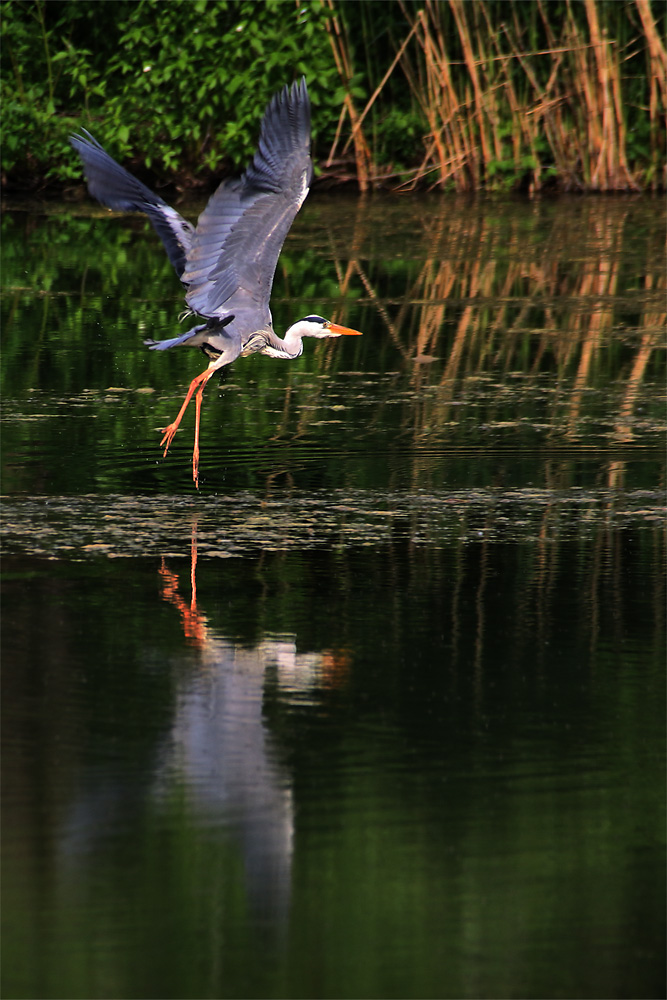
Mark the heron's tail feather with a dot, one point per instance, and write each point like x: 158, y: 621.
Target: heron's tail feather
x: 164, y: 345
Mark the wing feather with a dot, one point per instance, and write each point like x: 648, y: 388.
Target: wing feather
x: 240, y: 233
x: 229, y: 260
x: 114, y: 187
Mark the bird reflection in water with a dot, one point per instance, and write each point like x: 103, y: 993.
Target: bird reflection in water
x: 220, y: 750
x: 194, y: 623
x: 298, y: 671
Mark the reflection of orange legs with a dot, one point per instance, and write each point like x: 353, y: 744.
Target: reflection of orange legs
x: 194, y: 623
x: 198, y: 384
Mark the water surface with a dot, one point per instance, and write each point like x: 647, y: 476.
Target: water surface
x: 379, y: 711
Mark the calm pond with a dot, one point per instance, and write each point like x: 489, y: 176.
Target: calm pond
x: 379, y: 711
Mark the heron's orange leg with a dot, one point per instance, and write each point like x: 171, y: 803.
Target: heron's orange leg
x: 168, y: 432
x: 195, y: 451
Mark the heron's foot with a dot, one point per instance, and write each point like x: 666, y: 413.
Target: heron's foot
x: 168, y: 437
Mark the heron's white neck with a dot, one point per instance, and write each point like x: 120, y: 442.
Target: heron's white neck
x: 290, y: 347
x: 293, y: 340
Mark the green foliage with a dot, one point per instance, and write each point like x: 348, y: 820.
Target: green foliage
x: 181, y: 84
x: 399, y: 134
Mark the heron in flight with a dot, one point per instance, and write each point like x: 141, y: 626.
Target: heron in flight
x: 227, y: 262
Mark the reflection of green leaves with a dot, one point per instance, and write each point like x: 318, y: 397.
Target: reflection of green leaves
x: 446, y: 360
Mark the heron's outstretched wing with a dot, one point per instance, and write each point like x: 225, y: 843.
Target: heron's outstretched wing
x: 235, y: 248
x: 114, y: 187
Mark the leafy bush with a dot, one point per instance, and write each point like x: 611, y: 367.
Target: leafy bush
x: 177, y: 85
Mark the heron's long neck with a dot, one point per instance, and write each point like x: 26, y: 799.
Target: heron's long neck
x: 290, y: 346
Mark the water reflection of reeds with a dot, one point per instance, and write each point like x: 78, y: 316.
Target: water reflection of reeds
x: 490, y: 301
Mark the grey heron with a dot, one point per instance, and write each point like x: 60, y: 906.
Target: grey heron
x: 228, y: 261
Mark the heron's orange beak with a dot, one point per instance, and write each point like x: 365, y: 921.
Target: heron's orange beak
x: 344, y: 331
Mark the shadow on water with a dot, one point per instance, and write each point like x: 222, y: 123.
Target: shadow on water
x: 380, y: 710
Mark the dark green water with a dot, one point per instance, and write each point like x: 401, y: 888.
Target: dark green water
x: 379, y: 711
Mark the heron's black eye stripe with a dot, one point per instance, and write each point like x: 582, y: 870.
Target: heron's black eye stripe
x: 315, y: 319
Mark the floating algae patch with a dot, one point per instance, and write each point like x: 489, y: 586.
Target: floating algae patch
x: 246, y: 523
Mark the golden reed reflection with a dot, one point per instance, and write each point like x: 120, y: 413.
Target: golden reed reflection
x: 491, y: 300
x: 535, y: 321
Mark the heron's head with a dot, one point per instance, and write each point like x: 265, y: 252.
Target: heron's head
x: 317, y: 326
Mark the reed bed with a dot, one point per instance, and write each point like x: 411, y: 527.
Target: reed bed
x: 517, y: 95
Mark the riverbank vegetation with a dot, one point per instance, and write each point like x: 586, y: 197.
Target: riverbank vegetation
x: 480, y: 95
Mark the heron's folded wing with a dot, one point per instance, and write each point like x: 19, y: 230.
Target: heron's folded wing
x: 114, y: 187
x: 240, y: 233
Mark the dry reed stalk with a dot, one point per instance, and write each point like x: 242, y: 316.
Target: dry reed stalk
x: 658, y: 82
x: 624, y: 176
x: 530, y: 118
x: 380, y: 87
x: 586, y: 133
x: 657, y: 54
x: 443, y: 108
x: 340, y: 49
x: 611, y: 170
x: 522, y: 131
x: 479, y: 127
x: 433, y: 107
x: 494, y: 93
x: 448, y: 147
x: 477, y: 121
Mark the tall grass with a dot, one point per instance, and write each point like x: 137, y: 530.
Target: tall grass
x: 518, y: 95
